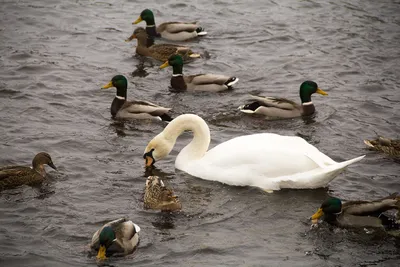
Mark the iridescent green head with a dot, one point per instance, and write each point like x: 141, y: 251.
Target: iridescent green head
x: 176, y: 61
x: 106, y: 238
x: 146, y: 15
x: 330, y: 206
x: 120, y: 82
x: 308, y: 88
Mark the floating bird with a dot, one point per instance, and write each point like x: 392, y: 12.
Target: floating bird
x: 159, y: 51
x: 158, y: 197
x: 358, y: 214
x: 116, y: 238
x: 385, y: 145
x: 273, y: 107
x: 13, y: 176
x: 174, y: 31
x: 198, y: 82
x: 266, y: 160
x: 136, y: 109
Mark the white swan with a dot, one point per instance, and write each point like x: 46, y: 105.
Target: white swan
x: 266, y: 160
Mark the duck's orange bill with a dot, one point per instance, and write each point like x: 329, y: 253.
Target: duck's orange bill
x: 130, y: 38
x: 108, y: 85
x: 166, y: 64
x: 138, y: 20
x: 317, y: 215
x: 101, y: 255
x: 321, y: 92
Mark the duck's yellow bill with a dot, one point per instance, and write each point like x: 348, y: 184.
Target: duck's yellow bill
x: 317, y: 215
x: 166, y: 64
x: 133, y: 36
x: 149, y: 161
x: 108, y: 85
x: 101, y: 255
x: 138, y: 20
x: 321, y: 92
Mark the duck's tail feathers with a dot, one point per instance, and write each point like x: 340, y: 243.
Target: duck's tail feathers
x: 231, y: 81
x: 166, y: 117
x: 200, y: 31
x: 194, y: 55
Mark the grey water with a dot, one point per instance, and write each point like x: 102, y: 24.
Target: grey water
x: 54, y: 57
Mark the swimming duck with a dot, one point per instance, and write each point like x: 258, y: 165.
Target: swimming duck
x: 353, y: 214
x: 283, y: 108
x: 266, y: 160
x: 117, y: 238
x: 198, y: 82
x: 159, y: 51
x: 137, y: 109
x: 13, y: 176
x: 158, y: 197
x: 175, y: 31
x: 385, y: 145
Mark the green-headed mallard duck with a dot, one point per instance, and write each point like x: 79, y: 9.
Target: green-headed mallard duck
x: 283, y: 108
x: 116, y: 238
x: 358, y: 214
x: 175, y: 31
x: 137, y: 109
x: 159, y: 51
x: 13, y: 176
x: 198, y: 82
x: 385, y: 145
x: 158, y: 197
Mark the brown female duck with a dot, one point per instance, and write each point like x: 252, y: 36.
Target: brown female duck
x: 13, y: 176
x: 385, y: 145
x: 159, y: 51
x: 158, y: 197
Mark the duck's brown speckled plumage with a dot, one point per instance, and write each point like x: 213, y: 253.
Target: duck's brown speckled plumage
x: 159, y: 51
x: 158, y: 197
x: 13, y: 176
x: 385, y: 145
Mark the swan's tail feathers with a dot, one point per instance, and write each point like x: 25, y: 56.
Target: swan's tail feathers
x: 346, y: 163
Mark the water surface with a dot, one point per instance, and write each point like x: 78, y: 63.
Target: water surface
x: 55, y: 56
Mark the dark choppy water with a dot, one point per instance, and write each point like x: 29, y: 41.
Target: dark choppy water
x: 56, y: 54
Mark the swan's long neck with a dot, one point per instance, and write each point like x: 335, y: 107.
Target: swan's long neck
x: 201, y: 136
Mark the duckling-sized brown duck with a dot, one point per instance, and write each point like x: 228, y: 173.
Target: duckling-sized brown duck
x: 175, y: 31
x: 159, y: 51
x: 158, y: 197
x: 359, y: 214
x: 13, y: 176
x: 279, y: 108
x: 385, y: 145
